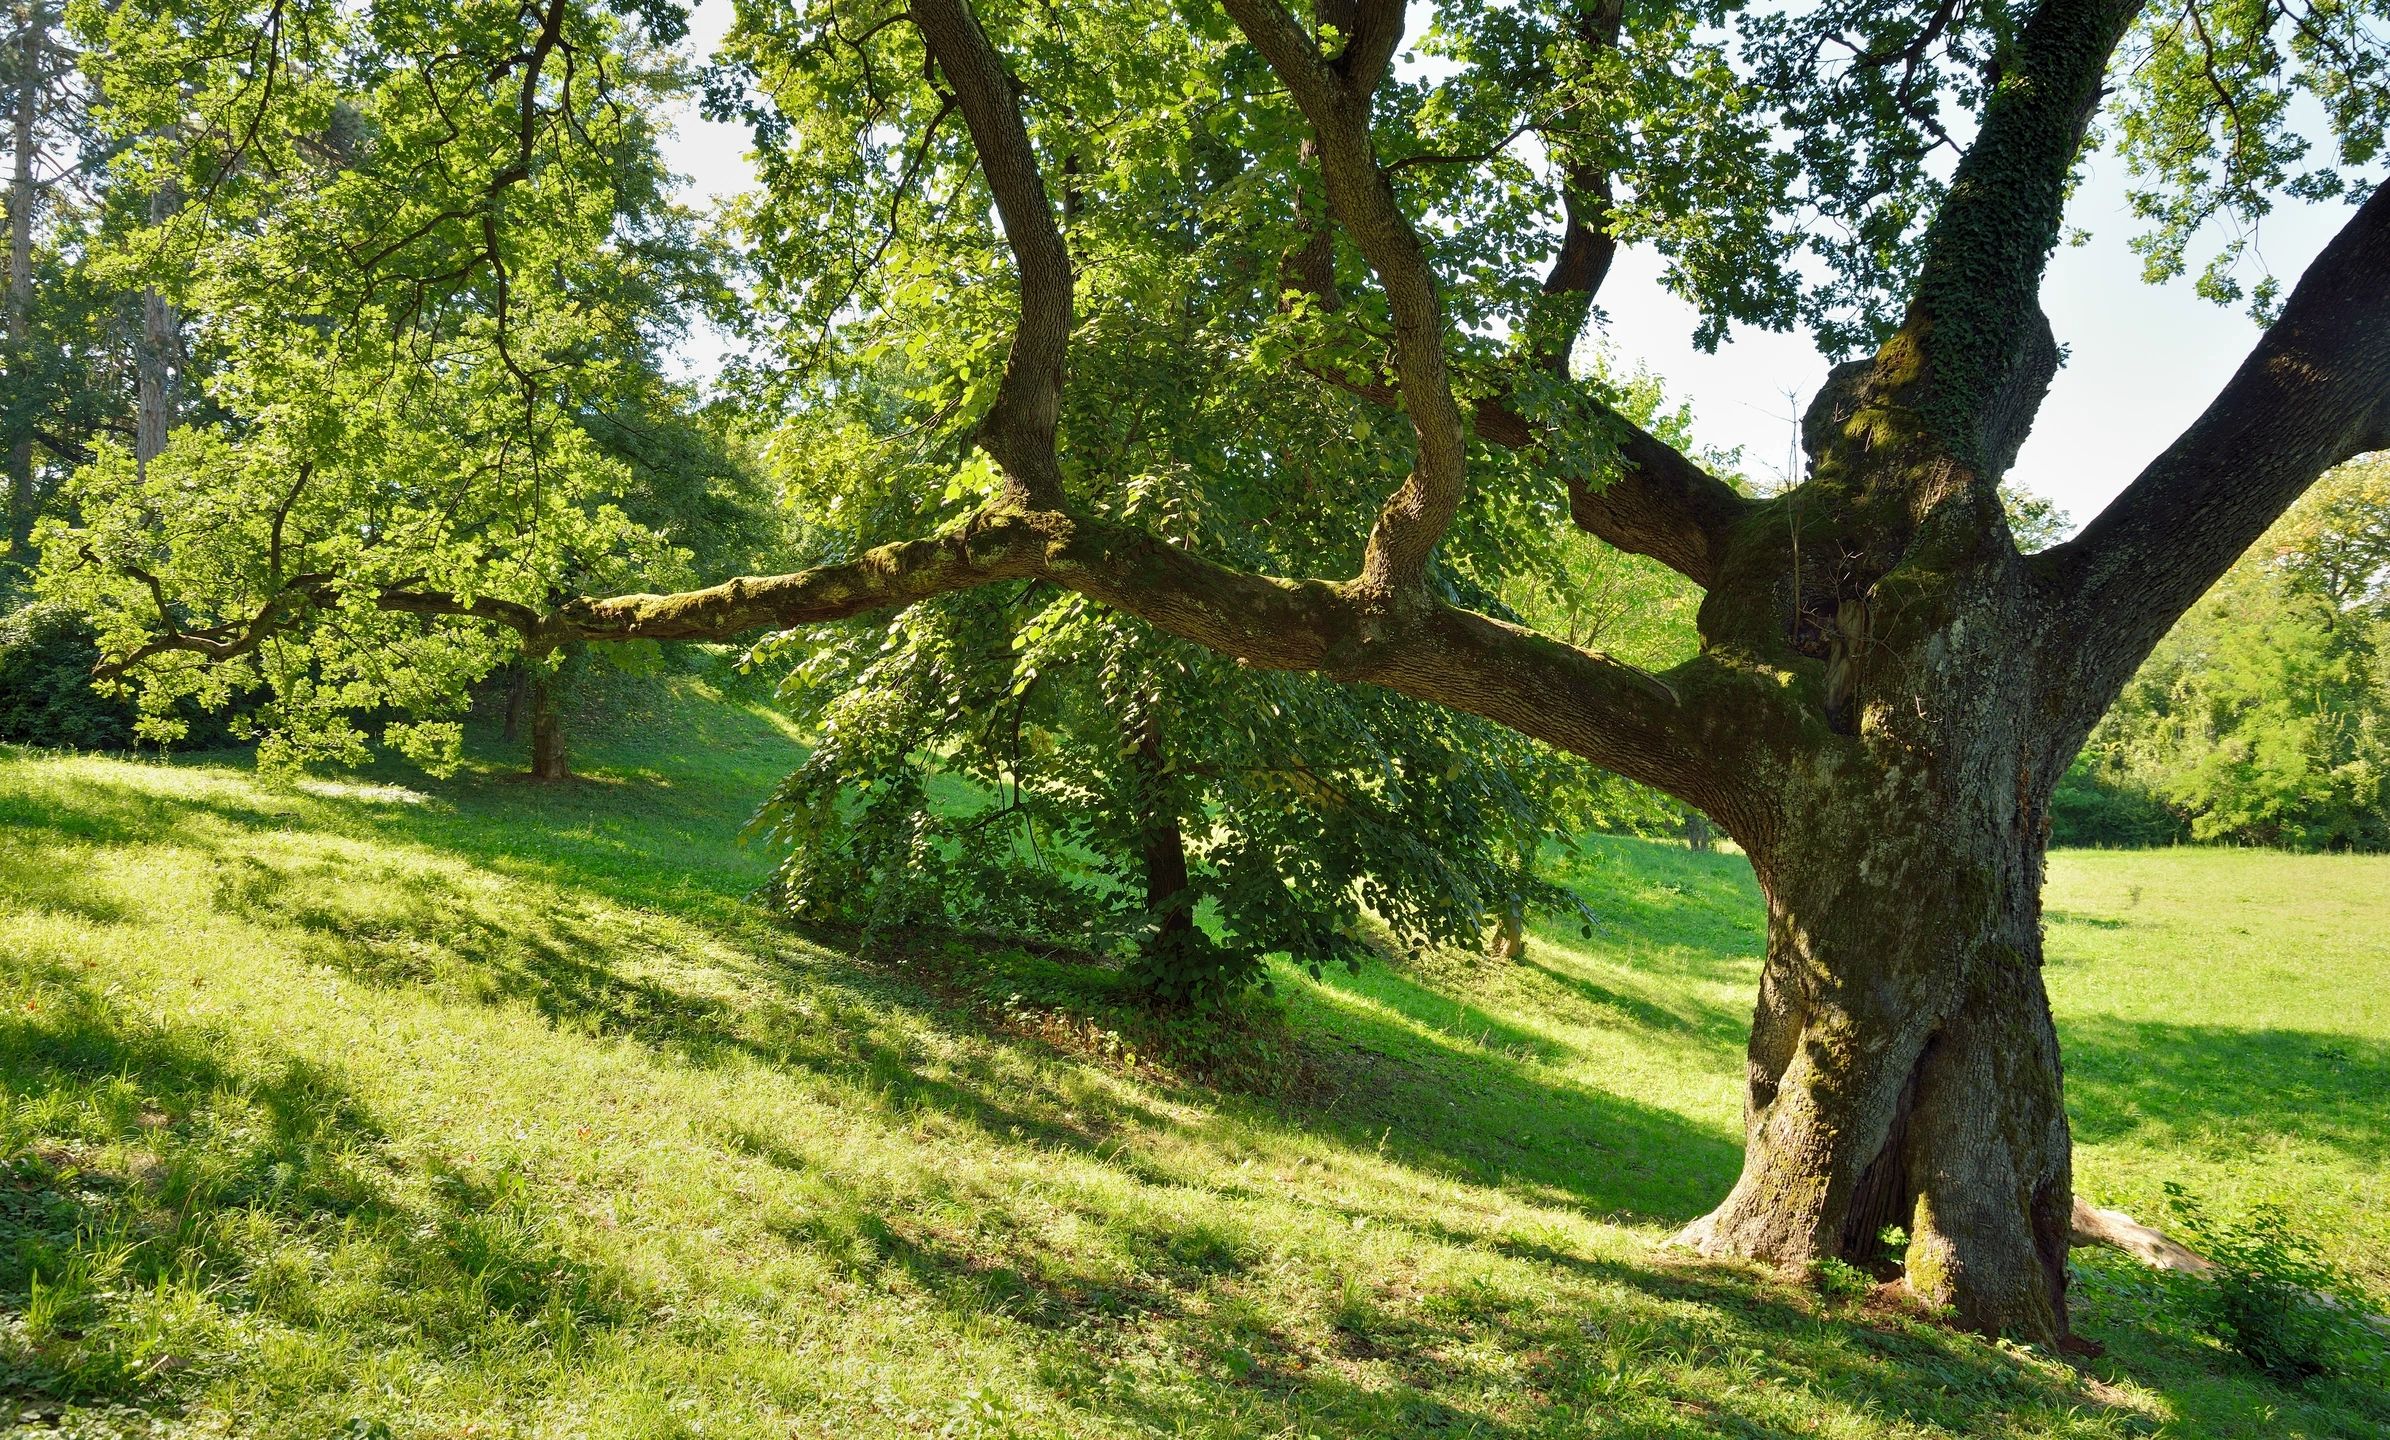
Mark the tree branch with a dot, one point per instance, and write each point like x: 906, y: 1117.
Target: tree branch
x: 1019, y: 429
x: 1659, y: 504
x: 1336, y: 104
x: 1611, y: 713
x: 1971, y: 337
x: 2314, y: 392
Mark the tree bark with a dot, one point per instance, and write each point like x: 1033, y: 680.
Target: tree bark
x: 22, y: 200
x: 548, y: 758
x: 1699, y: 837
x: 518, y: 701
x: 155, y: 355
x: 1903, y: 1071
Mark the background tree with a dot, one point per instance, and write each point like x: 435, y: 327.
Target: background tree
x: 2263, y: 718
x: 1887, y: 689
x: 427, y: 391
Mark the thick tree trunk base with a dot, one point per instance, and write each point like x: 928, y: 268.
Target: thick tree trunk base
x: 1924, y: 1096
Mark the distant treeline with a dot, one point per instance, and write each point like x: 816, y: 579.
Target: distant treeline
x: 2264, y: 718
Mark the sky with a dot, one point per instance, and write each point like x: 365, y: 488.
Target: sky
x: 2142, y: 360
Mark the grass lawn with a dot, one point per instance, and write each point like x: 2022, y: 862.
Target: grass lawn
x: 475, y: 1108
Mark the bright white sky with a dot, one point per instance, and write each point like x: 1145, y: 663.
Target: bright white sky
x: 2142, y: 360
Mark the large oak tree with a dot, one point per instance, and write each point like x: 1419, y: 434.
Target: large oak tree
x: 1887, y: 689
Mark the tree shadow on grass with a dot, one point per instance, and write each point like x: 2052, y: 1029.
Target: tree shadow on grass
x: 2211, y: 1086
x: 1692, y: 1018
x: 1611, y: 1347
x: 138, y: 1170
x: 1484, y: 1116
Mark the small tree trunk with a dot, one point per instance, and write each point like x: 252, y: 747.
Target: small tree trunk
x: 1699, y: 837
x: 548, y: 761
x: 518, y: 700
x: 1509, y: 940
x: 1163, y: 847
x: 155, y: 355
x: 22, y: 199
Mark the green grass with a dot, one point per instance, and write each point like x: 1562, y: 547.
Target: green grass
x: 475, y: 1108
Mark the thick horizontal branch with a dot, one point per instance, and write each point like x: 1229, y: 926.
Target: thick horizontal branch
x: 1611, y: 713
x: 2314, y: 392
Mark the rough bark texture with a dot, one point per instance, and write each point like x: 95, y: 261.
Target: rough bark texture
x: 1903, y: 1066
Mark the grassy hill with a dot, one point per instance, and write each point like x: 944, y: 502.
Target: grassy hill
x: 475, y: 1108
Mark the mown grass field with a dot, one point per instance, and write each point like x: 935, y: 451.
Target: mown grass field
x: 475, y: 1108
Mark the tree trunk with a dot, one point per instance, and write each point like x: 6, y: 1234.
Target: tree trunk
x: 548, y: 760
x: 1162, y: 844
x: 1509, y: 940
x: 1699, y: 837
x: 1903, y: 1071
x: 1903, y: 1066
x: 22, y: 200
x: 518, y: 701
x: 155, y: 355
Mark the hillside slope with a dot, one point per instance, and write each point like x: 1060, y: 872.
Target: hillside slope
x: 472, y: 1107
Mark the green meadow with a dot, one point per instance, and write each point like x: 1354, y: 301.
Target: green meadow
x: 397, y: 1107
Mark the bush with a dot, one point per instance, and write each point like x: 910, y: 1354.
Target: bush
x: 46, y: 655
x: 2095, y: 810
x: 2275, y: 1296
x: 47, y: 651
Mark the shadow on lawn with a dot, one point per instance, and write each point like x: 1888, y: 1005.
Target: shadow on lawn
x: 2222, y: 1089
x: 473, y: 1263
x: 153, y: 1162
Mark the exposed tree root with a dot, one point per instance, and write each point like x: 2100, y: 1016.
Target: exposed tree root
x: 2094, y: 1226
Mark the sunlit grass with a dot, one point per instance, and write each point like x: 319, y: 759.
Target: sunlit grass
x: 473, y: 1107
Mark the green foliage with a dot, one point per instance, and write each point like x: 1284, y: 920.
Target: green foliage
x: 1007, y: 766
x: 1839, y: 1280
x: 2264, y: 718
x: 2217, y: 120
x: 2094, y: 807
x: 2276, y: 1296
x: 46, y: 655
x: 430, y: 260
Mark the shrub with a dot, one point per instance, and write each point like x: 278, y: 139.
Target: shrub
x: 46, y: 655
x: 2096, y: 809
x: 2275, y: 1296
x: 1838, y: 1279
x: 47, y: 652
